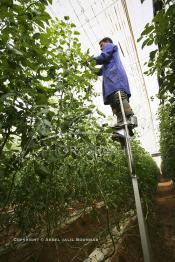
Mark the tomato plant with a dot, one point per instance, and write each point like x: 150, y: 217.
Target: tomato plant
x: 54, y: 154
x: 161, y: 33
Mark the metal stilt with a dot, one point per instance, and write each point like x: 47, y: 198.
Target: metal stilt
x: 141, y: 221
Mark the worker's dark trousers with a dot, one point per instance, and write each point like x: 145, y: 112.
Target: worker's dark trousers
x: 114, y: 102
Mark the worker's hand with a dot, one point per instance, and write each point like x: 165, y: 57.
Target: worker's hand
x: 85, y: 63
x: 88, y: 61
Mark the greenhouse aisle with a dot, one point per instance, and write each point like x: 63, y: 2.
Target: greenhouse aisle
x: 162, y: 230
x: 165, y: 202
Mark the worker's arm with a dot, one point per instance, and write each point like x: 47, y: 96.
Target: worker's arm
x: 105, y: 55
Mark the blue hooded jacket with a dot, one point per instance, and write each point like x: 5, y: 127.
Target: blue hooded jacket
x: 114, y: 75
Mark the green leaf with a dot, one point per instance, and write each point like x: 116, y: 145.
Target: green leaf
x: 76, y: 33
x: 72, y: 25
x: 153, y: 54
x: 36, y: 35
x: 66, y: 18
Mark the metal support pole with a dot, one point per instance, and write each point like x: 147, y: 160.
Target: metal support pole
x: 141, y: 221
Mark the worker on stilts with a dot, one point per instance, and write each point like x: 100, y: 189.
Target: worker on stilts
x: 116, y: 93
x: 114, y: 80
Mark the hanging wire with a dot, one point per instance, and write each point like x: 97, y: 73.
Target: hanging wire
x: 136, y: 74
x: 97, y: 20
x: 140, y: 68
x: 127, y: 45
x: 81, y: 24
x: 90, y: 19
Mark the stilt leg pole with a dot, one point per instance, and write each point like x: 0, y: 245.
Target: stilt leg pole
x: 141, y: 221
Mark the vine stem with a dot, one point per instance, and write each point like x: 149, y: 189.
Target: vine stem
x: 5, y: 141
